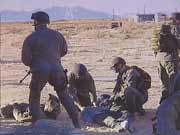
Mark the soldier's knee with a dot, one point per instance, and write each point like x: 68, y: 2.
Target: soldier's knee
x: 128, y: 91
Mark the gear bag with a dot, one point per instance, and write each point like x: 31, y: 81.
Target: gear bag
x: 145, y: 78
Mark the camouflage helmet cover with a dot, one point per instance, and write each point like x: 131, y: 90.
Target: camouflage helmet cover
x: 41, y: 17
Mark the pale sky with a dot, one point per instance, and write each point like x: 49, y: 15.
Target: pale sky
x: 120, y: 6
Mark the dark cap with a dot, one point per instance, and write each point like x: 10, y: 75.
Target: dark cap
x: 80, y: 69
x: 118, y: 60
x: 41, y: 17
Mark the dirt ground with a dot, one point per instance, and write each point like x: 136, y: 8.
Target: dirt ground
x: 93, y: 43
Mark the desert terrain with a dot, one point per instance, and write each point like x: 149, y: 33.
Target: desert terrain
x: 93, y: 43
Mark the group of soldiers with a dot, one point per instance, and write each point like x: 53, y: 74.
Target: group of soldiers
x: 42, y: 52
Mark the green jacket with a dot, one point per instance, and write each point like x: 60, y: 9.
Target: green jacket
x: 83, y: 86
x: 130, y: 78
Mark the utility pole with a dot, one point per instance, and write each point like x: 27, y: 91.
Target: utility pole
x: 144, y: 9
x: 113, y: 14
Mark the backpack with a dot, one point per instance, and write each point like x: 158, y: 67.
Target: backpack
x: 145, y: 81
x: 163, y: 40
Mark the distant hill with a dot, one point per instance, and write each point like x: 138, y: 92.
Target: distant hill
x: 56, y: 13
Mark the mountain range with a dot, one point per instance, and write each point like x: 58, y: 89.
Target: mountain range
x: 55, y: 13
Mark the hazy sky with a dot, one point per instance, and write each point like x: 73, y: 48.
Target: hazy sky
x: 120, y: 6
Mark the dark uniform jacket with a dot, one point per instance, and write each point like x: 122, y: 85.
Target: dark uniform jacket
x: 130, y: 78
x: 82, y: 87
x: 42, y: 50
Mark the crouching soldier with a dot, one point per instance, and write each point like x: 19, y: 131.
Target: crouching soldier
x: 42, y: 51
x: 81, y: 85
x: 130, y: 92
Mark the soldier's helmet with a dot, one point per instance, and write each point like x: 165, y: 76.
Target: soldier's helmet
x: 80, y: 69
x: 41, y: 17
x: 165, y: 29
x: 175, y: 16
x: 116, y: 61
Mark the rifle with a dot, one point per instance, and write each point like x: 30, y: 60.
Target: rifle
x: 28, y: 73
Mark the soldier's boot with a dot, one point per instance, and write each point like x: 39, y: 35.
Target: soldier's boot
x: 76, y: 122
x: 69, y: 105
x: 128, y: 124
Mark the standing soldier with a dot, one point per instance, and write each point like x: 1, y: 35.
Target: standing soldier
x: 42, y: 51
x: 166, y: 42
x: 81, y: 85
x: 131, y: 87
x: 165, y: 45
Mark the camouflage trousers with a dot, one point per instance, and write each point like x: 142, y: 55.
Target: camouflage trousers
x: 168, y: 116
x: 168, y: 67
x: 57, y: 80
x: 131, y: 100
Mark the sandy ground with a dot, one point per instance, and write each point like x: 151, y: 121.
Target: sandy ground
x: 92, y: 43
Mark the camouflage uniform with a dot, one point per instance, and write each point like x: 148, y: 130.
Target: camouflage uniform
x: 42, y: 51
x: 81, y: 88
x: 128, y: 88
x: 168, y: 58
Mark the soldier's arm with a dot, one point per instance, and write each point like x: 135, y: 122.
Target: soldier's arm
x: 26, y: 55
x: 63, y: 47
x: 132, y: 78
x: 71, y: 87
x: 117, y: 87
x: 71, y: 80
x: 93, y: 90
